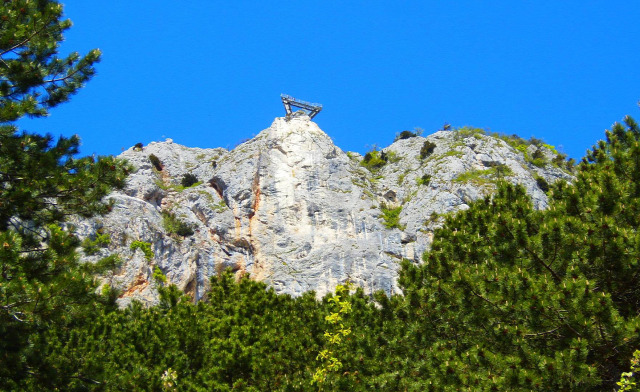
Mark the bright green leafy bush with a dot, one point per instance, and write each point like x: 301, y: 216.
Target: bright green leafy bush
x: 145, y: 247
x: 628, y: 379
x: 159, y: 276
x: 335, y: 333
x: 391, y: 217
x: 374, y: 160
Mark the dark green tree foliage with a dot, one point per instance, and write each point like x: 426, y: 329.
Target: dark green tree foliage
x: 244, y: 337
x: 33, y: 78
x: 155, y: 161
x: 43, y: 182
x: 405, y: 135
x: 542, y: 184
x: 188, y: 180
x: 42, y: 285
x: 511, y: 298
x: 427, y: 149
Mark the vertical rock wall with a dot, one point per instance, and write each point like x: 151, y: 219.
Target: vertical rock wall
x: 292, y: 209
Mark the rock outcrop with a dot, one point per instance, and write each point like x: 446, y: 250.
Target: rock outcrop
x: 292, y: 209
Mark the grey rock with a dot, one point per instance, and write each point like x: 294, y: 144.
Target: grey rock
x: 292, y: 209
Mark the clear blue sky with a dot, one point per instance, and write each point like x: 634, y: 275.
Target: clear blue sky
x: 210, y: 73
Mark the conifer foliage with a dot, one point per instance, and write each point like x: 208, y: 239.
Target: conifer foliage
x: 42, y: 183
x: 510, y: 298
x: 245, y: 337
x: 33, y: 78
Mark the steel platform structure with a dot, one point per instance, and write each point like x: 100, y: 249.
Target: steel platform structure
x: 312, y: 109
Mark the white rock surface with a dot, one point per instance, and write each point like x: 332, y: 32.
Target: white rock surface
x: 292, y: 209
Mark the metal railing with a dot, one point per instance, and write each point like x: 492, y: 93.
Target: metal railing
x: 299, y: 101
x: 312, y: 108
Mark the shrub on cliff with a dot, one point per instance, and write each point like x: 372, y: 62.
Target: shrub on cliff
x: 155, y: 161
x: 188, y: 180
x: 427, y: 149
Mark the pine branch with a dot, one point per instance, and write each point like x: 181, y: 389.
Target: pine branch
x: 542, y: 333
x: 21, y: 43
x: 538, y: 259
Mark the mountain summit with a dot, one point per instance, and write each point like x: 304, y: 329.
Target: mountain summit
x: 292, y: 209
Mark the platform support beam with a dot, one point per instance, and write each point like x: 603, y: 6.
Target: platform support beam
x: 312, y: 109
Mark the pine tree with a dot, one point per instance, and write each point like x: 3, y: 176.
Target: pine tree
x: 245, y: 337
x: 33, y: 78
x: 510, y: 298
x: 43, y: 286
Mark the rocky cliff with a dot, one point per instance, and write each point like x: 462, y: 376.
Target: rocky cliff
x: 292, y: 209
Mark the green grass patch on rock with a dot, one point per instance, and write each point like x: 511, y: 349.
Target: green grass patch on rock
x: 480, y: 177
x: 173, y: 225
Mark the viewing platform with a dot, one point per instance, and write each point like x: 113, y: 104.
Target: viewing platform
x: 312, y: 109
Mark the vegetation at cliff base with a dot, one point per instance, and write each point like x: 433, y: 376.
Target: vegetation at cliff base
x: 508, y: 298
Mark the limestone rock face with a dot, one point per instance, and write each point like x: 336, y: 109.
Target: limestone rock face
x: 292, y: 209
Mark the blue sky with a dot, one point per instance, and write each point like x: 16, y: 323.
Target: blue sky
x: 210, y: 74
